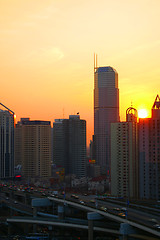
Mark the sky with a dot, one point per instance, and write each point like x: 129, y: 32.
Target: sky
x: 47, y: 55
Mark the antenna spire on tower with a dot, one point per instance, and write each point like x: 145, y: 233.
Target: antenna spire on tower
x: 95, y: 62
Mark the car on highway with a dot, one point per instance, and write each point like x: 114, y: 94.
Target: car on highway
x: 117, y: 209
x: 76, y: 197
x: 121, y: 214
x: 124, y: 209
x: 103, y: 208
x: 156, y: 226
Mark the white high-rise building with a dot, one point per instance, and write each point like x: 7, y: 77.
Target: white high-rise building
x: 106, y: 111
x: 124, y: 156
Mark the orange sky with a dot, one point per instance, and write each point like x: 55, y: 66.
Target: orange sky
x: 47, y: 48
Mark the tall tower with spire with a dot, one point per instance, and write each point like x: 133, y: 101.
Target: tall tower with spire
x: 106, y: 110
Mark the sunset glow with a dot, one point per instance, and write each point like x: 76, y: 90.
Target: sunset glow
x: 47, y: 50
x: 142, y: 113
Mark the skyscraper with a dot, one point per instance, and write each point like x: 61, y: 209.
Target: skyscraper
x: 59, y: 143
x: 124, y: 156
x: 106, y: 110
x: 69, y: 145
x: 149, y: 154
x: 33, y: 145
x: 6, y: 143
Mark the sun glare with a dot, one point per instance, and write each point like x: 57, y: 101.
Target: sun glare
x: 142, y: 113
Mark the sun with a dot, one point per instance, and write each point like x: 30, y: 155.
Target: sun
x: 142, y: 113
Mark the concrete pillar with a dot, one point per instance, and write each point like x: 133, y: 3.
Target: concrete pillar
x: 26, y: 228
x: 92, y: 216
x: 34, y: 216
x: 90, y: 229
x: 34, y: 212
x: 25, y: 198
x: 11, y: 212
x: 9, y: 229
x: 51, y: 231
x: 53, y: 204
x: 60, y: 212
x: 125, y: 230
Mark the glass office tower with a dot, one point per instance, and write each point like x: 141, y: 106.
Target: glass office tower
x: 106, y: 111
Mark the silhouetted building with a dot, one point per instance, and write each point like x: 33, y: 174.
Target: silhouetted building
x: 33, y: 148
x: 93, y: 170
x: 59, y: 143
x: 92, y: 149
x: 149, y: 154
x: 106, y: 110
x: 69, y: 145
x: 124, y: 156
x: 6, y: 143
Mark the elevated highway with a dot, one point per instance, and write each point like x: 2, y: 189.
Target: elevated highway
x: 108, y: 215
x: 52, y: 220
x: 136, y: 219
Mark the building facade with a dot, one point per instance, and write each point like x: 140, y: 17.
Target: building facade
x: 33, y: 148
x: 149, y: 154
x: 69, y: 145
x: 124, y: 156
x: 106, y: 111
x: 6, y: 144
x: 58, y: 143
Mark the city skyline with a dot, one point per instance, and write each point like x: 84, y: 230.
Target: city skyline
x: 47, y: 53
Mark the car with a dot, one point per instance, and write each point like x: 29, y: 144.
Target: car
x: 124, y: 209
x: 15, y: 202
x: 7, y: 198
x: 156, y: 226
x: 103, y: 208
x: 52, y: 195
x: 76, y: 197
x: 121, y: 215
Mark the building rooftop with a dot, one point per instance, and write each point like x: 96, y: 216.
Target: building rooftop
x: 74, y: 116
x: 106, y: 69
x: 36, y: 122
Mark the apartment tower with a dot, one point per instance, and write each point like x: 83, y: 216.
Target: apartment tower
x: 106, y: 111
x: 149, y: 154
x: 33, y: 148
x: 69, y: 145
x: 124, y: 156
